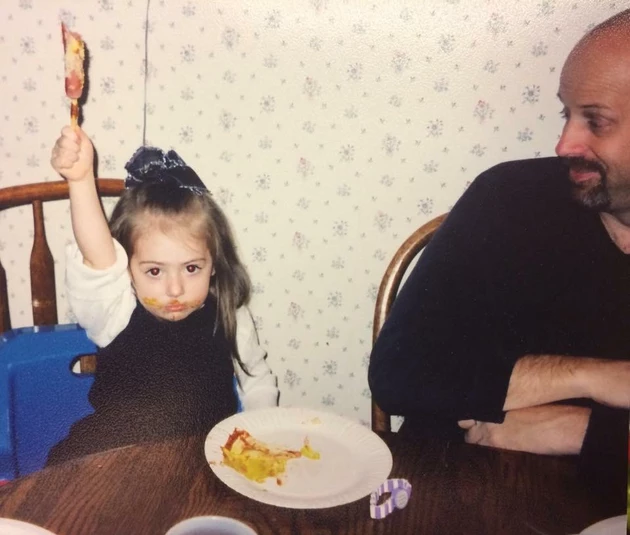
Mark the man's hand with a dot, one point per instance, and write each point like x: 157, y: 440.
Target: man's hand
x: 73, y: 155
x: 546, y: 429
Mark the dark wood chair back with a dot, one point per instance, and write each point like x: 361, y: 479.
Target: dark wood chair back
x: 43, y: 289
x: 390, y: 283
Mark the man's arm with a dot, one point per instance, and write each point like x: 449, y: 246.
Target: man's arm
x: 531, y: 424
x: 537, y: 380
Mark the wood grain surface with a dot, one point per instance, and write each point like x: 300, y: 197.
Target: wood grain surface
x: 457, y: 489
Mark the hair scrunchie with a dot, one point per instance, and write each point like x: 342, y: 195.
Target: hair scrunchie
x: 150, y: 165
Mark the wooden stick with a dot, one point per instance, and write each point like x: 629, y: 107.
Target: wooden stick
x: 74, y: 112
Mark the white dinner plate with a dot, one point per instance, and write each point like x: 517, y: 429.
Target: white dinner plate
x: 353, y: 461
x: 616, y: 525
x: 9, y: 526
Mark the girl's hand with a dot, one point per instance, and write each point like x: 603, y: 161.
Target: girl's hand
x: 73, y: 155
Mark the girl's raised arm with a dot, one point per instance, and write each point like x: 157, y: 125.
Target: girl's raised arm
x: 73, y: 158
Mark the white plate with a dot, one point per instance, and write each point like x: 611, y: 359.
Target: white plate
x: 353, y: 461
x: 9, y: 526
x: 616, y: 525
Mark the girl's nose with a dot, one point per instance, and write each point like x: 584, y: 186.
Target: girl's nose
x: 174, y: 287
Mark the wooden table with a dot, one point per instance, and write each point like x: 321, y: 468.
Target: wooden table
x: 457, y: 489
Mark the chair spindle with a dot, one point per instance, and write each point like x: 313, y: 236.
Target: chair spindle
x: 44, y: 303
x: 5, y: 319
x: 44, y: 297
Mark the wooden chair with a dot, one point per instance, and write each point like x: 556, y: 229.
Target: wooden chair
x: 43, y: 289
x: 42, y: 391
x: 388, y: 290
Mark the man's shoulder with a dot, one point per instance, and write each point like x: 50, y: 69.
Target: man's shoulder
x: 529, y: 171
x: 522, y: 182
x: 519, y: 190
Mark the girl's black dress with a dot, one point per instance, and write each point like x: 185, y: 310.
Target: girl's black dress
x: 156, y: 379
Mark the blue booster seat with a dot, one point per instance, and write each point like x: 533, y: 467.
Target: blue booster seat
x: 40, y: 395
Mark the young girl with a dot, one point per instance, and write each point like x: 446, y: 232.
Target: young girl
x: 162, y: 292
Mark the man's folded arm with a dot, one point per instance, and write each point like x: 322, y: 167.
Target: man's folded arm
x: 541, y: 379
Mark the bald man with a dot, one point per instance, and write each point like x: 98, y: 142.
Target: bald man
x: 513, y: 330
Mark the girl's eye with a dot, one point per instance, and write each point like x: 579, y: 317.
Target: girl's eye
x: 192, y: 268
x: 564, y: 113
x: 154, y: 272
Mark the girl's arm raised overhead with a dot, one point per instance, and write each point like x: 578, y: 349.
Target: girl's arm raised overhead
x: 73, y: 158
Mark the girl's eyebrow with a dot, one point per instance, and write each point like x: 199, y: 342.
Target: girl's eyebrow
x: 155, y: 263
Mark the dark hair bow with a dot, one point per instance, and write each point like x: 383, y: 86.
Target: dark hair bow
x: 150, y: 165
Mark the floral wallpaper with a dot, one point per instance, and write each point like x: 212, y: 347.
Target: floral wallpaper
x: 327, y: 130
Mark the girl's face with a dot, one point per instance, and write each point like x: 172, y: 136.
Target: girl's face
x: 170, y: 272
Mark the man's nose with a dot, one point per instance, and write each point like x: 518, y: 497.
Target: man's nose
x: 573, y: 141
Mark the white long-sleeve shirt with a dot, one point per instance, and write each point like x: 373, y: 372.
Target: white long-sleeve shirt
x: 103, y: 302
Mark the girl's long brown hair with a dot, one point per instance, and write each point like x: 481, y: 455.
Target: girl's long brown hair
x: 230, y: 284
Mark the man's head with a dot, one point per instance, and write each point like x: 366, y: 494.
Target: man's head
x: 595, y: 93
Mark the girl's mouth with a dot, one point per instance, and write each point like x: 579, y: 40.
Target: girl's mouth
x: 175, y: 307
x: 172, y: 306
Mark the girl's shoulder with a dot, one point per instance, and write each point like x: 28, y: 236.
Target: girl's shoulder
x: 244, y: 313
x: 244, y: 320
x: 246, y: 332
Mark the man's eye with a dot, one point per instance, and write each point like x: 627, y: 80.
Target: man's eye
x: 192, y: 268
x: 154, y: 272
x: 598, y: 123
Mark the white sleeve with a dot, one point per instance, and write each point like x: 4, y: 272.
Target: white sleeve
x: 259, y: 389
x: 101, y: 299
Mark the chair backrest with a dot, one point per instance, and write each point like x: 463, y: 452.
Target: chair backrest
x: 44, y: 299
x: 390, y: 283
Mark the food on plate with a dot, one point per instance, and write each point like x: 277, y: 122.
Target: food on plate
x: 258, y: 461
x: 309, y: 452
x: 74, y: 56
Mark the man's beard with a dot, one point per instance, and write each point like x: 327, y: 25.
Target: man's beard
x: 594, y: 197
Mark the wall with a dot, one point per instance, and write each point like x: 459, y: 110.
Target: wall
x: 327, y: 130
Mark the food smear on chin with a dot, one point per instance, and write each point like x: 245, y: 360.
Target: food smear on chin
x: 258, y: 461
x: 150, y: 301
